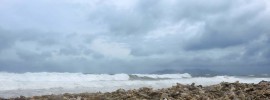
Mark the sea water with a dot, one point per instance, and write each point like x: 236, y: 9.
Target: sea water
x: 46, y: 83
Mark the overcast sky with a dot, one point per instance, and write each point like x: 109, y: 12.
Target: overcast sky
x: 134, y: 36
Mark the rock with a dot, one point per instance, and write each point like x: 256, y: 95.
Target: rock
x: 193, y: 84
x: 164, y: 96
x: 144, y: 95
x: 120, y: 91
x: 222, y: 91
x: 242, y: 96
x: 55, y: 97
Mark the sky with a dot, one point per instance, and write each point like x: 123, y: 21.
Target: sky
x: 134, y: 36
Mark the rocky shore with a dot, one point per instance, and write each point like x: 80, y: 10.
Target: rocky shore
x: 222, y: 91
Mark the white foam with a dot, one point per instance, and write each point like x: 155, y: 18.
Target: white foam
x: 29, y: 84
x: 170, y: 76
x: 44, y: 80
x: 45, y: 76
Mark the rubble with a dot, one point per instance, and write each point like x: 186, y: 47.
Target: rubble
x: 222, y: 91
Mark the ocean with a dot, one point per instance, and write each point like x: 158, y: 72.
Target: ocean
x: 45, y: 83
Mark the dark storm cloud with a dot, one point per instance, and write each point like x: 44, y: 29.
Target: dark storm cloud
x: 134, y: 36
x: 9, y: 37
x: 230, y: 30
x: 227, y: 23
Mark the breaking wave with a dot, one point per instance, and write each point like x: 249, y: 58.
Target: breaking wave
x: 52, y: 76
x: 42, y: 83
x: 158, y: 76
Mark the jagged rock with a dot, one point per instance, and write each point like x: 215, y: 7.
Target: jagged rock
x: 222, y: 91
x: 164, y: 96
x: 120, y: 91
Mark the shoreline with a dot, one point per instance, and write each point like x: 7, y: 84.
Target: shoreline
x: 221, y: 91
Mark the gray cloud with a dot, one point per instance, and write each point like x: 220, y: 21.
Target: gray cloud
x: 134, y: 36
x: 238, y: 26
